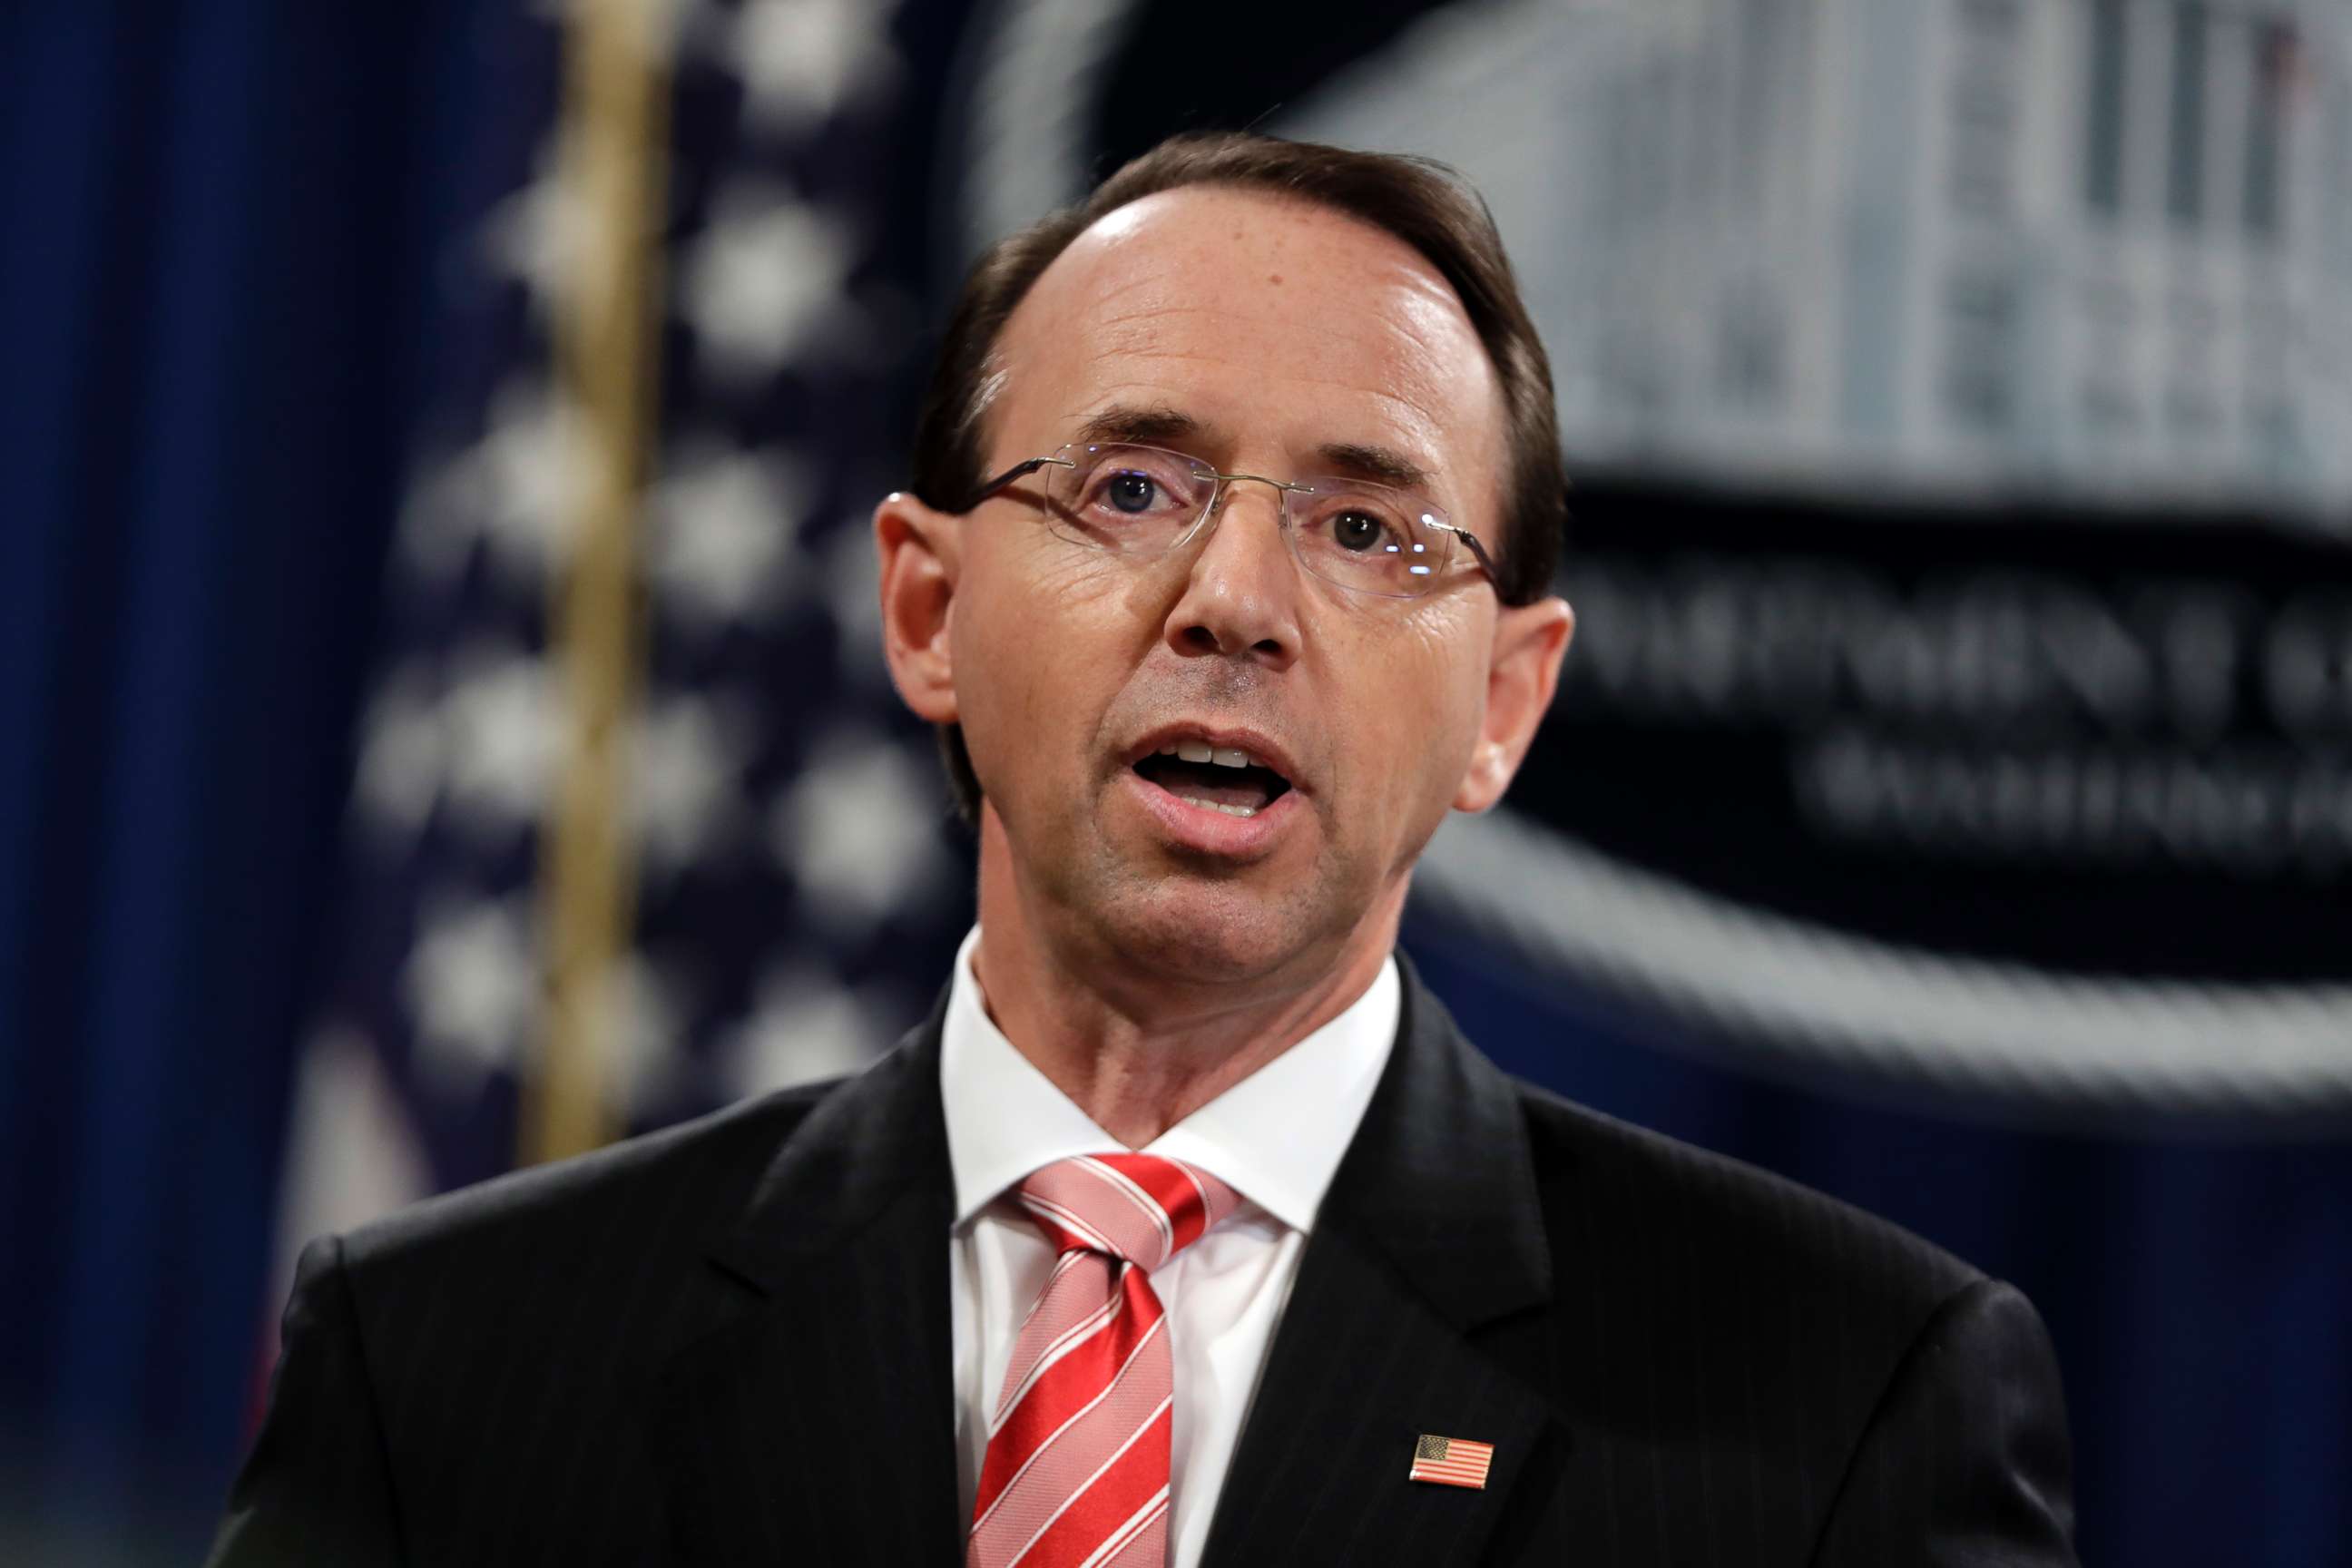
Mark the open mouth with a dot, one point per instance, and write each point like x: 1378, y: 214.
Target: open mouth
x: 1222, y: 778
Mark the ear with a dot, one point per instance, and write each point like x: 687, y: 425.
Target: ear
x: 1529, y: 642
x: 920, y: 564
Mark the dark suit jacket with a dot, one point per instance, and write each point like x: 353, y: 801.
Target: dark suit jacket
x: 729, y: 1343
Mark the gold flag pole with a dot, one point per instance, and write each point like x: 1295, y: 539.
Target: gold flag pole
x: 613, y: 143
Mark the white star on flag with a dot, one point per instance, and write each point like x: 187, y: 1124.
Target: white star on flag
x: 857, y: 831
x: 484, y: 742
x: 499, y: 733
x: 688, y: 753
x: 804, y: 1026
x: 402, y: 755
x: 722, y: 525
x: 517, y: 489
x: 764, y: 283
x: 804, y: 60
x: 472, y: 984
x: 545, y: 237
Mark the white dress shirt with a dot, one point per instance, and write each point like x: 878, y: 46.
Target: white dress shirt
x: 1275, y: 1137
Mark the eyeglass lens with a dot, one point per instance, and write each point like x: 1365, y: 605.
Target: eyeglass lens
x: 1141, y: 500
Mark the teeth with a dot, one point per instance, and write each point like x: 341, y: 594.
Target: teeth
x: 1213, y: 805
x: 1197, y: 751
x: 1202, y: 751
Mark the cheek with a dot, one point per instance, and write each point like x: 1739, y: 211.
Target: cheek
x: 1032, y: 636
x: 1416, y: 713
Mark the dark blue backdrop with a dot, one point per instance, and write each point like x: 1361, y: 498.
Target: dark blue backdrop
x: 214, y: 218
x: 224, y: 222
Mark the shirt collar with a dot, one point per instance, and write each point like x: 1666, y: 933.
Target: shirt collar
x: 1275, y: 1137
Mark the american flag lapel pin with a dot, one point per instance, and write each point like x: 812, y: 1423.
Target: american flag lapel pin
x: 1451, y: 1461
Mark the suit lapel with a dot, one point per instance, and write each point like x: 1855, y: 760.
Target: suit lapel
x: 1429, y: 1245
x: 814, y: 1422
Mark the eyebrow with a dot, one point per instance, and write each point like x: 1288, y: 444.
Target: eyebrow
x: 1143, y: 427
x: 1381, y: 465
x: 1351, y: 459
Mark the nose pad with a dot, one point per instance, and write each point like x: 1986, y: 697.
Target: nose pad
x: 1223, y: 500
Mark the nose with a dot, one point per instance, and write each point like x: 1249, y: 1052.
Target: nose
x: 1241, y: 598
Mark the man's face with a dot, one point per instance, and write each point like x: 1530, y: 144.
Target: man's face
x: 1273, y: 332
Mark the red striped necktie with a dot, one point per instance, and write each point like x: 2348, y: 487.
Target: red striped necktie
x: 1076, y: 1471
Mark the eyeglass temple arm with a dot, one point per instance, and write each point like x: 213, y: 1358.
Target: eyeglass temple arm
x: 1019, y: 470
x: 1486, y: 561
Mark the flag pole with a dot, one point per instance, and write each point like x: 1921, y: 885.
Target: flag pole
x: 614, y: 145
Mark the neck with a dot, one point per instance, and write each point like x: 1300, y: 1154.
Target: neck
x: 1134, y: 1046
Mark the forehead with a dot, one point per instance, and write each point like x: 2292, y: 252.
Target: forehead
x: 1275, y: 322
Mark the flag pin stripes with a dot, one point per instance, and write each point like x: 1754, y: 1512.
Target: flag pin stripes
x: 1451, y: 1461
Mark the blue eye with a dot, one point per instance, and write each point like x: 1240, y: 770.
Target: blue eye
x: 1132, y: 492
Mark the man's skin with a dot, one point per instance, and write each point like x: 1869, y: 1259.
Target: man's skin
x: 1143, y: 953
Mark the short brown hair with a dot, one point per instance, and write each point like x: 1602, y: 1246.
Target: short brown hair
x: 1422, y: 202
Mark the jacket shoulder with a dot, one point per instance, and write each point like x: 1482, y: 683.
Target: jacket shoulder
x: 1697, y: 1294
x: 1711, y: 1319
x: 664, y: 1190
x: 1727, y: 1216
x: 1705, y: 1307
x: 476, y: 1356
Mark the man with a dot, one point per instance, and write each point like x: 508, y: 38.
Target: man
x: 1188, y: 1229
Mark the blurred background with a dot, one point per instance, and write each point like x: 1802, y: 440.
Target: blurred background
x: 441, y: 724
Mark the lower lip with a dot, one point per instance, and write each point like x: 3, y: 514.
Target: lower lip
x: 1208, y: 831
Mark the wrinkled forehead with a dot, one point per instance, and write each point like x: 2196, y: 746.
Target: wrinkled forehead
x: 1282, y: 324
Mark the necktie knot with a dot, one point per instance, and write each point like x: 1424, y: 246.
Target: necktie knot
x: 1142, y: 1208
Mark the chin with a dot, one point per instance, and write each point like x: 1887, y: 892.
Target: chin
x: 1206, y: 933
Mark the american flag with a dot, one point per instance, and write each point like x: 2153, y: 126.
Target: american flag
x: 792, y: 885
x: 1451, y: 1461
